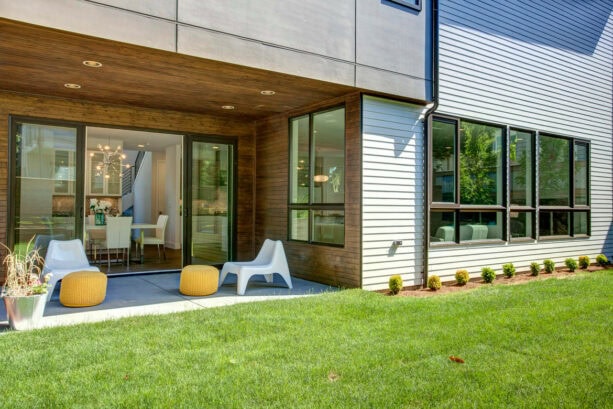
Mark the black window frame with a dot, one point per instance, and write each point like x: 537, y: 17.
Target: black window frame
x: 513, y: 208
x: 413, y: 4
x: 572, y: 209
x: 508, y: 209
x: 457, y: 207
x: 311, y: 206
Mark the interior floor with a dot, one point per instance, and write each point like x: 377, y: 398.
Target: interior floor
x: 151, y: 261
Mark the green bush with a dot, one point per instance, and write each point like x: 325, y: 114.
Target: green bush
x: 602, y: 260
x: 584, y: 262
x: 535, y: 268
x: 508, y: 270
x: 488, y: 274
x: 434, y: 282
x: 462, y: 277
x: 395, y: 284
x: 549, y: 266
x: 571, y: 263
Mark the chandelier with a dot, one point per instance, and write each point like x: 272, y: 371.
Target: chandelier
x: 111, y: 161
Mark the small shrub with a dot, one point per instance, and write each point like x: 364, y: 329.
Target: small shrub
x: 549, y: 266
x: 395, y: 284
x: 535, y: 268
x: 571, y: 263
x: 584, y: 262
x: 462, y: 277
x: 434, y: 282
x: 602, y: 260
x: 508, y: 270
x: 488, y: 274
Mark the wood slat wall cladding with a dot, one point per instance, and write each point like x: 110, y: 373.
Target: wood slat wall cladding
x: 150, y: 119
x: 330, y: 265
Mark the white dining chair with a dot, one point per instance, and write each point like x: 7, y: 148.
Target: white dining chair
x: 158, y: 239
x: 118, y: 237
x: 93, y: 238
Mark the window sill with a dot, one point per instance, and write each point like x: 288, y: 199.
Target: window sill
x: 466, y: 243
x: 554, y: 238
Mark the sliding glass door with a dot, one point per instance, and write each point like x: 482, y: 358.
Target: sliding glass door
x: 209, y: 210
x: 45, y: 197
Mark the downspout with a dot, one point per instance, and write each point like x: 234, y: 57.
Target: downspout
x: 427, y: 133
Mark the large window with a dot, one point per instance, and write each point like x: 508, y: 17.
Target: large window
x: 317, y: 177
x: 483, y: 184
x: 45, y: 197
x: 563, y: 187
x: 521, y: 184
x: 467, y: 181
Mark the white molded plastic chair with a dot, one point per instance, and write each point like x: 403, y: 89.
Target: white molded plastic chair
x: 118, y: 237
x: 158, y: 240
x: 63, y: 257
x: 271, y: 259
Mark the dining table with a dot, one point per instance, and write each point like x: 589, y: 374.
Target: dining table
x: 135, y: 226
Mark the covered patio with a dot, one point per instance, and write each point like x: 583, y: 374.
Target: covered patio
x: 151, y: 294
x: 204, y: 103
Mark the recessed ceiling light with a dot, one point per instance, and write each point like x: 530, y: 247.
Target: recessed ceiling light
x: 140, y: 145
x: 72, y: 86
x: 92, y: 63
x: 215, y: 147
x: 267, y: 92
x: 228, y: 107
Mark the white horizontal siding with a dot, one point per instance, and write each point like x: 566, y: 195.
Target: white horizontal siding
x: 542, y: 66
x: 392, y: 192
x: 444, y: 261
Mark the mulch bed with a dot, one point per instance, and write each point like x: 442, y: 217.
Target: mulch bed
x: 520, y: 278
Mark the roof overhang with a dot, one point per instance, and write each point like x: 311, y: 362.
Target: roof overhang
x: 38, y: 60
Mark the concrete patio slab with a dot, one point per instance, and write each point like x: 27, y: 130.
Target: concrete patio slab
x: 149, y: 294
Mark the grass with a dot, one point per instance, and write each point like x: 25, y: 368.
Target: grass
x: 542, y: 344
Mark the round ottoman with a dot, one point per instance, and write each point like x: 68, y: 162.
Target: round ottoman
x: 83, y: 289
x: 199, y: 280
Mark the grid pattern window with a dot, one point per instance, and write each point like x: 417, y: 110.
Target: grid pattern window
x: 484, y: 184
x: 317, y: 182
x: 468, y: 193
x: 563, y: 187
x: 522, y: 184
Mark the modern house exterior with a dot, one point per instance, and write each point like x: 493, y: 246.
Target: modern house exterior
x: 374, y: 138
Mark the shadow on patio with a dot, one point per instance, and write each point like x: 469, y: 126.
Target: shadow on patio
x: 158, y: 293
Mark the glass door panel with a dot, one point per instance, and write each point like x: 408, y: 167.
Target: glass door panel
x: 211, y: 193
x: 44, y: 198
x: 96, y: 174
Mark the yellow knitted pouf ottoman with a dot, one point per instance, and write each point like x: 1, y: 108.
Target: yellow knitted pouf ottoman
x: 83, y: 289
x: 199, y: 280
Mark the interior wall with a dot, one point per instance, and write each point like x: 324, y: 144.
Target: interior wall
x: 143, y: 192
x: 129, y: 117
x: 332, y: 265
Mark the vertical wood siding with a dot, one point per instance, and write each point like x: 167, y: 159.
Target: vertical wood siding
x: 392, y: 191
x: 326, y: 264
x: 544, y: 66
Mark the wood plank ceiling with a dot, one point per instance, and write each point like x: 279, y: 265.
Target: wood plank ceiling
x: 38, y: 60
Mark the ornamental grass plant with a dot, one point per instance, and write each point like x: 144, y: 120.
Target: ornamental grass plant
x: 23, y: 271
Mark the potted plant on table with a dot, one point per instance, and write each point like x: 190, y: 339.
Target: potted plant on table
x: 25, y: 290
x: 99, y: 208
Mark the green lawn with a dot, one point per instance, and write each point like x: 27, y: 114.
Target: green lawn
x: 545, y: 344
